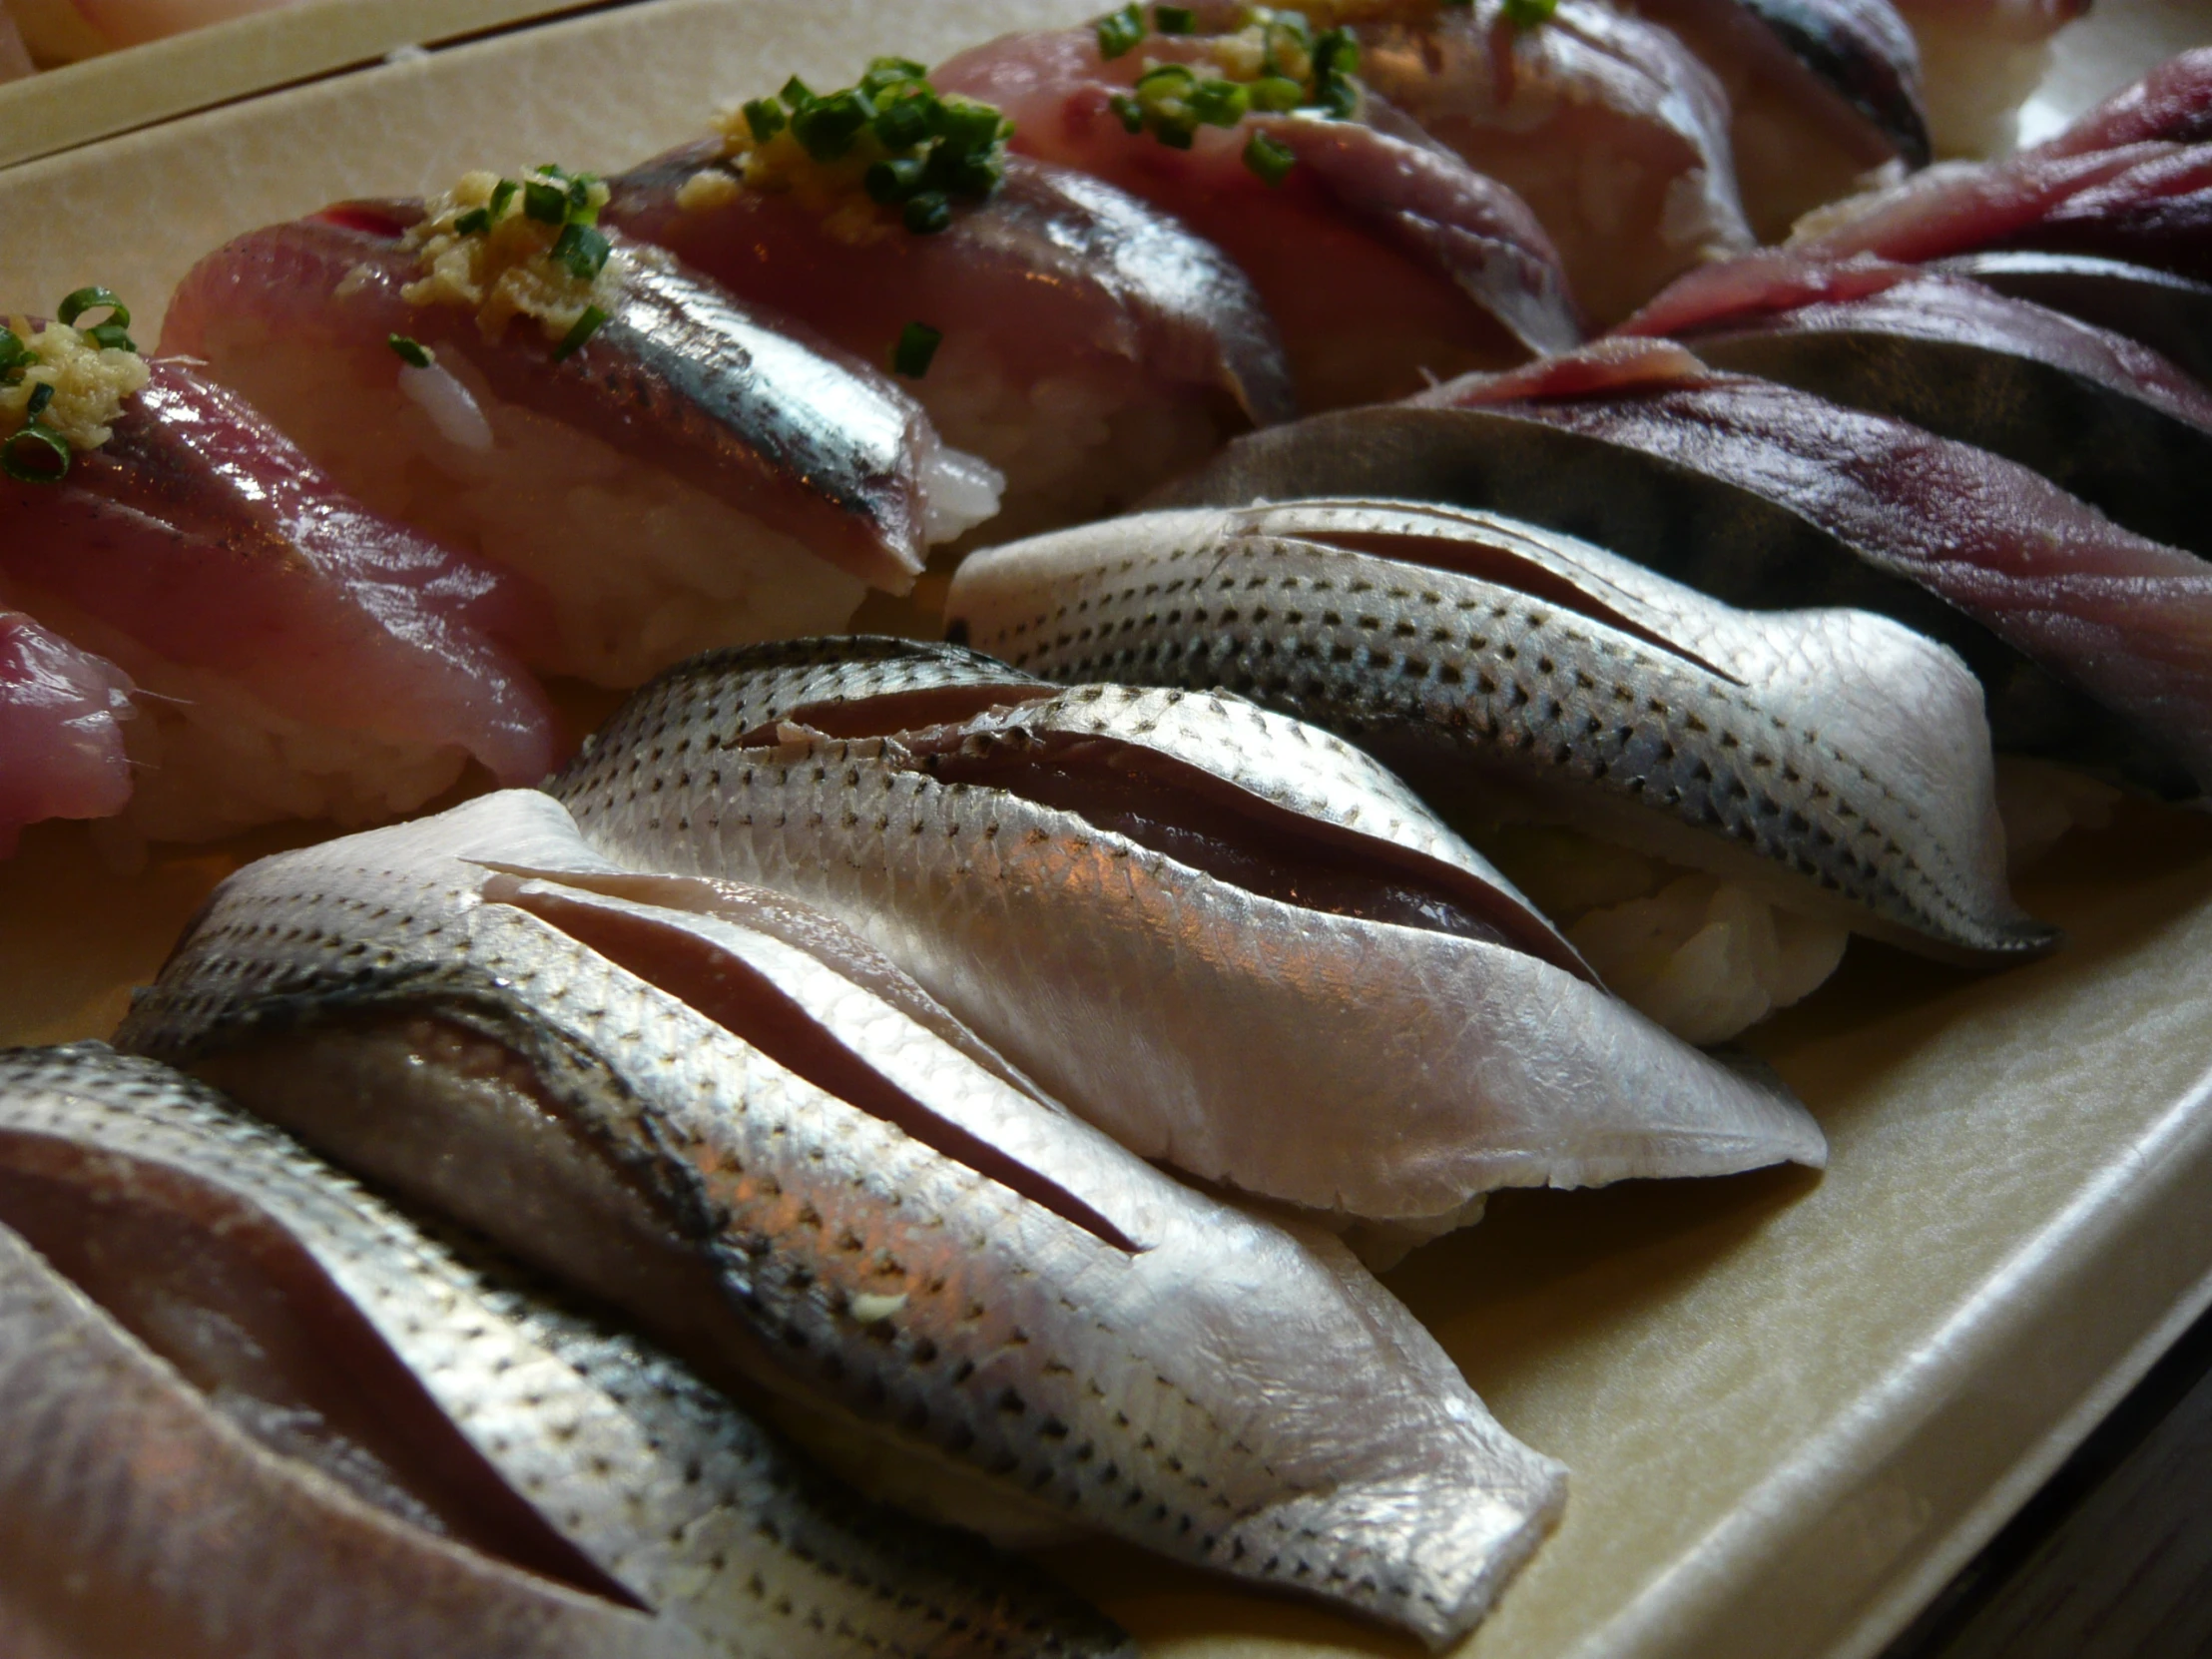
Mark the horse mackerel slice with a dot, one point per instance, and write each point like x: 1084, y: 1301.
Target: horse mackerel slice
x: 1103, y: 880
x: 605, y: 1459
x: 927, y: 1250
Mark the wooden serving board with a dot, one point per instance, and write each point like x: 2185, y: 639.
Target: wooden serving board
x: 1793, y: 1404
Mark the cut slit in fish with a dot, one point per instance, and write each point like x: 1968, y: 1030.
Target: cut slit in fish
x: 1836, y: 760
x: 695, y: 473
x: 2089, y: 642
x: 1123, y: 1355
x: 443, y: 1388
x: 1167, y: 868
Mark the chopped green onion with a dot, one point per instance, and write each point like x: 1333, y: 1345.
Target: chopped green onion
x: 582, y: 251
x: 40, y: 395
x: 1527, y: 14
x: 1162, y: 75
x: 90, y: 300
x: 545, y: 203
x: 412, y: 352
x: 501, y: 194
x: 797, y: 95
x: 15, y: 357
x: 1220, y: 103
x: 928, y: 211
x: 763, y: 119
x: 975, y: 177
x: 1119, y: 31
x: 827, y: 127
x: 580, y: 208
x: 1175, y: 135
x: 1276, y: 93
x: 111, y: 337
x: 36, y: 455
x: 587, y: 325
x: 1270, y: 158
x: 918, y: 343
x: 1173, y: 20
x: 473, y: 223
x: 885, y: 73
x: 897, y: 180
x: 968, y: 124
x: 1128, y: 110
x: 907, y: 121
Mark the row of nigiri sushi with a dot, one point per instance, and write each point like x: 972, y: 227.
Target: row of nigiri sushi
x: 821, y: 1154
x: 689, y: 474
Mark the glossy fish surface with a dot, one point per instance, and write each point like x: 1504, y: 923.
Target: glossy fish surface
x: 844, y: 1207
x: 1846, y: 755
x: 2089, y: 642
x: 476, y: 1408
x: 61, y: 739
x: 699, y: 407
x: 2098, y: 415
x: 1059, y: 300
x: 235, y: 581
x: 1101, y: 881
x: 1378, y: 256
x: 2171, y: 314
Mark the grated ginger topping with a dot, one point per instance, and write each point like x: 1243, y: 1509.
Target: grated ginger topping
x: 90, y: 384
x: 505, y: 268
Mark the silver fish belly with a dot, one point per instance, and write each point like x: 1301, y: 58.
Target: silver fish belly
x: 1228, y: 938
x: 1831, y: 758
x: 476, y: 1408
x: 844, y: 1207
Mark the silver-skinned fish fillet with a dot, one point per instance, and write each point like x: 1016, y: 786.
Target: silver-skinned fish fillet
x: 844, y: 1207
x: 465, y: 1402
x: 1228, y: 938
x: 1833, y: 758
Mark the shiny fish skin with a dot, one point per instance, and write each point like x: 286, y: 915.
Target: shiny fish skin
x: 206, y: 1545
x: 665, y: 1487
x: 1120, y: 1352
x: 1845, y: 755
x: 1406, y: 1069
x: 2171, y: 314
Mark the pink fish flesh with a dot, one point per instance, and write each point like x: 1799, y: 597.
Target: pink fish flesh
x: 1380, y: 256
x: 2172, y: 104
x: 1058, y: 277
x: 199, y: 549
x: 2171, y: 314
x: 61, y: 745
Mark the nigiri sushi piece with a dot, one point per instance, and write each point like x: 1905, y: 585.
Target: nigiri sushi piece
x: 2171, y: 314
x: 2093, y: 646
x: 2147, y: 204
x: 1608, y: 127
x: 407, y: 1372
x: 2104, y: 419
x: 1080, y: 342
x: 293, y: 654
x: 1831, y: 759
x: 675, y: 469
x: 1820, y: 93
x: 1384, y: 259
x: 61, y: 730
x: 724, y: 1115
x: 1102, y: 881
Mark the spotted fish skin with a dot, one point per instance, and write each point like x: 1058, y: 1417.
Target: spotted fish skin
x: 1032, y: 1306
x: 1409, y: 1065
x: 1832, y: 757
x: 698, y: 1512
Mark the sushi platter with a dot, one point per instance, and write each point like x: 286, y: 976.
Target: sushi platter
x: 1792, y: 1401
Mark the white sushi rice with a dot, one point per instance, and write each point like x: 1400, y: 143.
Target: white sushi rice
x: 1071, y: 448
x: 1704, y: 957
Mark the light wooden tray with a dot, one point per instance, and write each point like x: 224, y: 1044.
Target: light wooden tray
x: 1793, y: 1406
